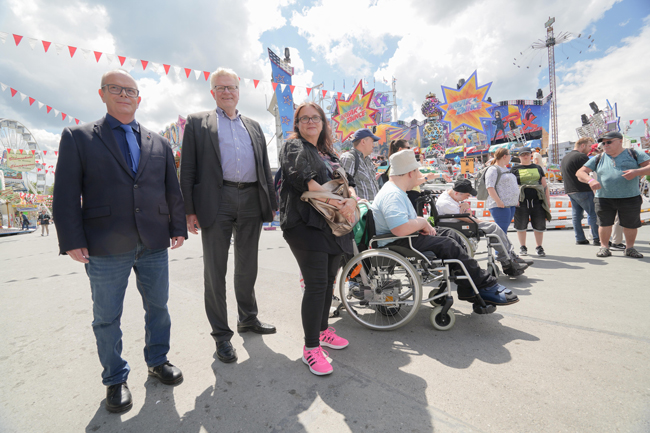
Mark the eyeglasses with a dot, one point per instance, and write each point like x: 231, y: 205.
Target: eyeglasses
x: 306, y: 119
x: 605, y: 143
x: 117, y: 90
x: 221, y: 89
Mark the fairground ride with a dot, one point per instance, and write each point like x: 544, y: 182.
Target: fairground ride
x: 15, y: 138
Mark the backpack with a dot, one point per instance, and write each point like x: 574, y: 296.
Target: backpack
x: 384, y: 177
x: 479, y: 182
x: 356, y: 163
x: 631, y: 152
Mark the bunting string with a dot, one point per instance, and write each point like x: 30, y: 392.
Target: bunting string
x: 157, y: 67
x: 48, y: 108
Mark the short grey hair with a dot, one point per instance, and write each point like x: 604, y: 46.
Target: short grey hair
x: 221, y: 72
x: 119, y: 71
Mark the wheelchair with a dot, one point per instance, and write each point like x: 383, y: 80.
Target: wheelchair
x: 469, y: 233
x: 382, y: 287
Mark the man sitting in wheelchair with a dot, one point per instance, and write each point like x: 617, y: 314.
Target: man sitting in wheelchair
x: 451, y: 202
x: 394, y: 213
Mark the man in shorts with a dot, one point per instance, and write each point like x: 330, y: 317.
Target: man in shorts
x: 533, y: 201
x: 617, y: 190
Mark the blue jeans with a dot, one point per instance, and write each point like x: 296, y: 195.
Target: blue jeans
x: 503, y: 216
x: 583, y: 202
x: 109, y: 277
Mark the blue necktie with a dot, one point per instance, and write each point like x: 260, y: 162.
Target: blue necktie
x: 134, y: 149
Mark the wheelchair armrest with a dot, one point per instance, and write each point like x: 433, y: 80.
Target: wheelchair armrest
x: 461, y: 215
x: 390, y: 236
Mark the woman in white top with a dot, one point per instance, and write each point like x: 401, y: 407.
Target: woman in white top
x: 504, y: 194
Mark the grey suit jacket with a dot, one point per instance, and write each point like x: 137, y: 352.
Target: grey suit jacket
x: 202, y: 174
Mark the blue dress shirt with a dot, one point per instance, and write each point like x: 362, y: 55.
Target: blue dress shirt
x: 237, y: 156
x: 120, y: 137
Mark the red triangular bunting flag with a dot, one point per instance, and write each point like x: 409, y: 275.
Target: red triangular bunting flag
x: 72, y: 50
x: 21, y: 151
x: 48, y: 108
x: 33, y: 152
x: 338, y: 95
x: 45, y: 171
x: 17, y: 38
x: 324, y: 93
x: 56, y: 152
x: 122, y: 60
x: 291, y: 89
x: 46, y: 45
x: 76, y: 121
x: 63, y: 115
x: 187, y: 72
x: 275, y: 86
x: 13, y: 92
x: 631, y: 121
x: 256, y: 82
x: 45, y: 152
x: 144, y: 64
x: 166, y: 69
x: 206, y: 74
x: 98, y: 55
x: 31, y: 100
x: 645, y: 121
x: 308, y: 90
x: 8, y: 150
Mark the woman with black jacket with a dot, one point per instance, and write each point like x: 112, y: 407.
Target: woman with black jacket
x: 308, y: 161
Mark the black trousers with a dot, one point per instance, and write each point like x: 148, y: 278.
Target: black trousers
x: 239, y: 215
x: 318, y: 271
x: 445, y: 247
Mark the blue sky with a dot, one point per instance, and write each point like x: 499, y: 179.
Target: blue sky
x: 423, y: 44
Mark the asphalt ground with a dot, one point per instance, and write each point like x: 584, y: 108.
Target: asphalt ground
x: 572, y: 355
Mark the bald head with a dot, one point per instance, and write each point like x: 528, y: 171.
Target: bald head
x: 116, y: 72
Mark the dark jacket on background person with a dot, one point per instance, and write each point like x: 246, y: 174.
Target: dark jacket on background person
x: 118, y: 209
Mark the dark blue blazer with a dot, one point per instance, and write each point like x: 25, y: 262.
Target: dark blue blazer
x: 99, y: 204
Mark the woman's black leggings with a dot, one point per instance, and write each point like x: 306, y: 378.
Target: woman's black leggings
x: 318, y: 271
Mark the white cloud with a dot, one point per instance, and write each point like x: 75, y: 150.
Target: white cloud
x: 440, y: 42
x: 619, y: 76
x: 624, y: 23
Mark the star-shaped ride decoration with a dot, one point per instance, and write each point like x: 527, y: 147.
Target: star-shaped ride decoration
x: 286, y: 120
x: 279, y: 79
x: 288, y: 100
x: 466, y: 106
x: 355, y: 113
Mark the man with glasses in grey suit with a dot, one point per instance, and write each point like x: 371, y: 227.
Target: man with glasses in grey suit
x: 228, y: 191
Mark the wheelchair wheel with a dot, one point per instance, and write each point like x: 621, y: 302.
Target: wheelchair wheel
x: 393, y: 294
x: 470, y: 244
x: 442, y: 322
x: 434, y: 292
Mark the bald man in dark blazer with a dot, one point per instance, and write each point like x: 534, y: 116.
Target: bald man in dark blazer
x: 228, y: 191
x: 117, y: 207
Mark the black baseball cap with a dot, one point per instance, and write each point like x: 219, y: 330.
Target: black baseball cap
x: 464, y: 185
x: 610, y: 136
x: 363, y: 133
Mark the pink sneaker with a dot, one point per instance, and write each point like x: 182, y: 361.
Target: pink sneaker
x: 329, y: 339
x: 317, y: 361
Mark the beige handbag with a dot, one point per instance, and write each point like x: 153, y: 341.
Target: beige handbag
x: 335, y: 189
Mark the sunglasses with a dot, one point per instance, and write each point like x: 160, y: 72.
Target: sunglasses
x: 605, y: 143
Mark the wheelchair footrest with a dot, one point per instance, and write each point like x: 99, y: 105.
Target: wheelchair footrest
x: 488, y: 309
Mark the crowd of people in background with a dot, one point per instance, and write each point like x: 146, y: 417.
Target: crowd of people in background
x: 118, y: 206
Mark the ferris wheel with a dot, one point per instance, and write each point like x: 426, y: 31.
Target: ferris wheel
x: 15, y: 137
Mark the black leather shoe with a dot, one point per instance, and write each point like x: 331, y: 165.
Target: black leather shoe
x: 118, y: 398
x: 584, y: 242
x: 257, y: 327
x: 167, y: 373
x: 225, y: 352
